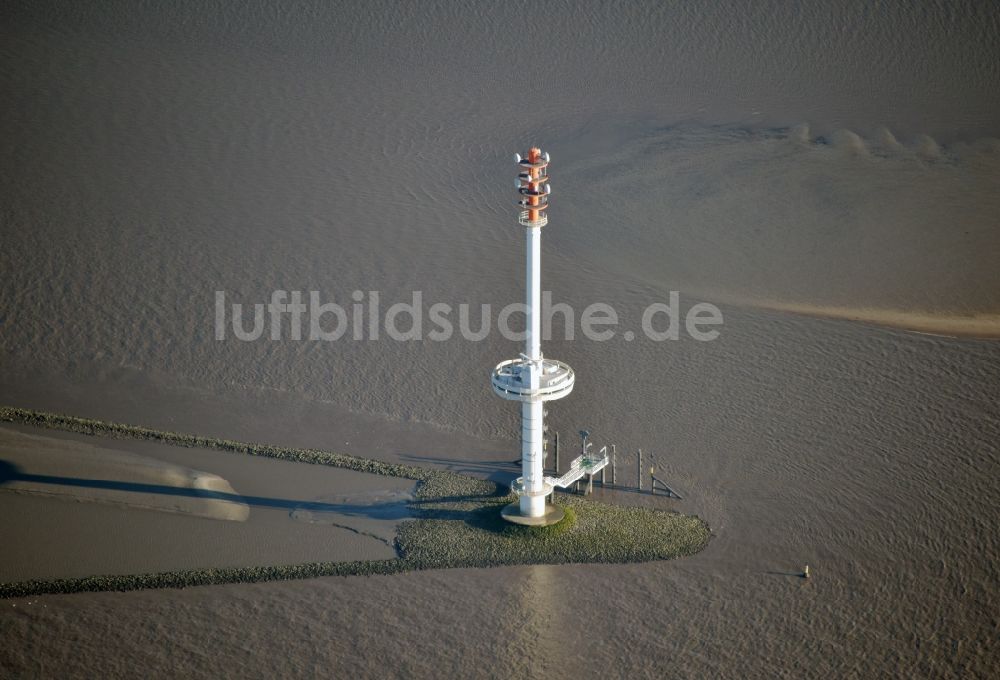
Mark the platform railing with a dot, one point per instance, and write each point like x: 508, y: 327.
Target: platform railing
x: 524, y: 219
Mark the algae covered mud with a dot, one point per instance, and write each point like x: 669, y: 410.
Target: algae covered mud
x: 457, y: 523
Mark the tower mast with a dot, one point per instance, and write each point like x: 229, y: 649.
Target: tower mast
x: 532, y: 379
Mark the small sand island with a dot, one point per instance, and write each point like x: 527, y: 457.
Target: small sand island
x: 456, y: 520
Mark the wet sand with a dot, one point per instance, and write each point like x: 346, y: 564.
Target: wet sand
x: 986, y: 326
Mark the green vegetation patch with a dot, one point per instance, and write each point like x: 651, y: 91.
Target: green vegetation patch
x: 475, y: 535
x: 458, y: 523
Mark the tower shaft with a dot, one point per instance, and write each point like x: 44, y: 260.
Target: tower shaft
x: 533, y: 293
x: 532, y: 412
x: 532, y: 501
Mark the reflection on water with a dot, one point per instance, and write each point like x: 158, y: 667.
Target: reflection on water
x: 535, y: 638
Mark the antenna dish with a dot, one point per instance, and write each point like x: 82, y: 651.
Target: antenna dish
x: 517, y: 158
x: 545, y: 157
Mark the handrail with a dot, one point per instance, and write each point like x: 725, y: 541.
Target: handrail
x: 524, y: 219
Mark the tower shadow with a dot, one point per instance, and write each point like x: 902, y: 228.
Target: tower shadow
x: 10, y: 472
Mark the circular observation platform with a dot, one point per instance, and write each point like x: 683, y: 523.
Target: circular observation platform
x: 512, y: 380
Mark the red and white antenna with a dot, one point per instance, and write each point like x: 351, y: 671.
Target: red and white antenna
x: 533, y: 185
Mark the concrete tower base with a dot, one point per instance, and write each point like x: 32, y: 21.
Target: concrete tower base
x: 553, y: 514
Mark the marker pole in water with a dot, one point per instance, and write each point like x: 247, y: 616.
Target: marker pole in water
x: 639, y: 470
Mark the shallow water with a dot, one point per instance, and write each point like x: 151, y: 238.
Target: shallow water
x: 812, y: 158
